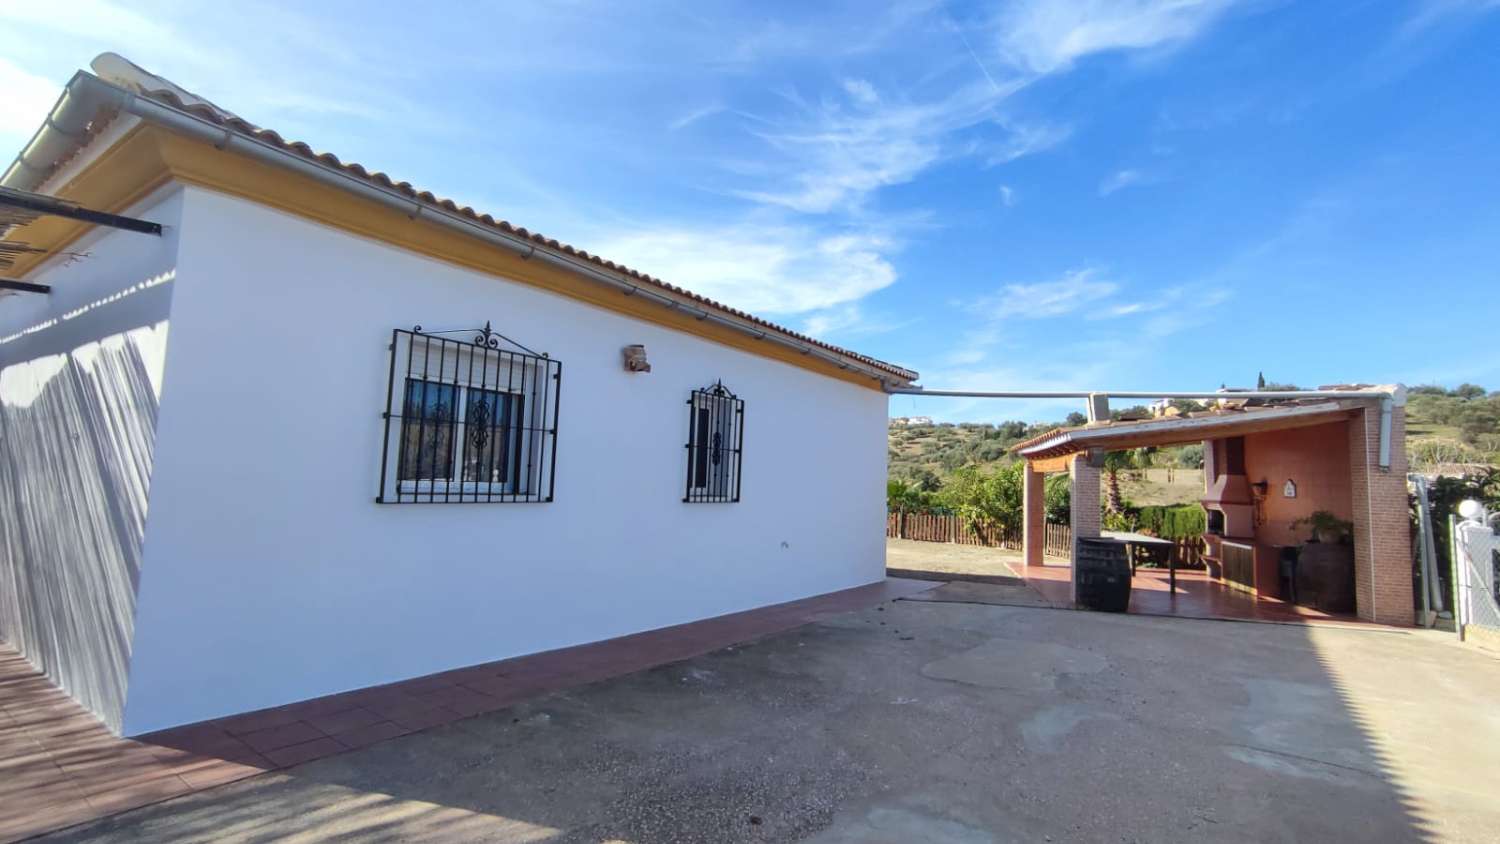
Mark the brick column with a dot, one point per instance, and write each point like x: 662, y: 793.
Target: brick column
x: 1382, y: 528
x: 1034, y: 525
x: 1084, y: 507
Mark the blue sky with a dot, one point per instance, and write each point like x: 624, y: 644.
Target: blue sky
x: 1135, y: 194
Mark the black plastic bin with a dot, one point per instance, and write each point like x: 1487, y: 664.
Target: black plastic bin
x: 1102, y: 570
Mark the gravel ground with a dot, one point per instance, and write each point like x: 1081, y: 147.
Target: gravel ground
x: 947, y: 561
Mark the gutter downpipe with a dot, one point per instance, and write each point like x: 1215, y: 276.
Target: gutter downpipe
x: 85, y: 94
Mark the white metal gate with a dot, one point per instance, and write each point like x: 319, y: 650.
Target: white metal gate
x: 1477, y: 565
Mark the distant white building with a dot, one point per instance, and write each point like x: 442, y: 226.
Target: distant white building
x: 912, y: 420
x: 327, y: 431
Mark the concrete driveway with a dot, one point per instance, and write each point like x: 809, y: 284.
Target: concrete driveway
x: 932, y: 721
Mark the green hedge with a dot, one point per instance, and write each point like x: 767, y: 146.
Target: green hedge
x: 1174, y: 522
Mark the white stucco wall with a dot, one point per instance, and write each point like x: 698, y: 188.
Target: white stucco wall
x: 80, y: 385
x: 273, y: 576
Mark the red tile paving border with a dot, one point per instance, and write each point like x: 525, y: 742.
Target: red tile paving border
x: 1197, y: 596
x: 59, y: 766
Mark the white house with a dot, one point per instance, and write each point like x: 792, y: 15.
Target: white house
x: 327, y: 431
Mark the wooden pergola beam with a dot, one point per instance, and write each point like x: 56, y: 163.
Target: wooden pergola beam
x: 24, y: 286
x: 35, y: 204
x: 1050, y: 465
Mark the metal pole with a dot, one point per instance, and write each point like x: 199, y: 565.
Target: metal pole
x: 1458, y: 605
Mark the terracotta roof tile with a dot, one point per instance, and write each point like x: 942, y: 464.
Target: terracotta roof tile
x: 239, y: 125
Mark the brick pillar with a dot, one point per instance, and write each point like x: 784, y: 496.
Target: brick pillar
x: 1084, y: 506
x: 1034, y: 525
x: 1382, y: 529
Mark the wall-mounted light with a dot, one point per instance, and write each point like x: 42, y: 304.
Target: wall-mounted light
x: 635, y: 359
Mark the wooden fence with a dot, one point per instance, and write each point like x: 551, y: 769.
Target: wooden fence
x: 936, y: 527
x: 1057, y: 539
x: 1189, y: 551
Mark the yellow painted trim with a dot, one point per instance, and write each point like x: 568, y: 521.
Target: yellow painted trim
x: 121, y: 176
x: 148, y: 156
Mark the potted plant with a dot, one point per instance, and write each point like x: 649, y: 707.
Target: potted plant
x: 1326, y: 527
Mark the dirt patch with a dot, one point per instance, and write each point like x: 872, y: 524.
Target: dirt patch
x: 950, y: 561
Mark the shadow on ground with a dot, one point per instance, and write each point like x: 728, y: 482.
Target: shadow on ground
x: 922, y: 721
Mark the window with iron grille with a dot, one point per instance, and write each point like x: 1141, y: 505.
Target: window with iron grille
x: 716, y: 435
x: 467, y: 420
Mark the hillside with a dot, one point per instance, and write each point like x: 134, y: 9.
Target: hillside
x: 1448, y: 431
x: 926, y: 455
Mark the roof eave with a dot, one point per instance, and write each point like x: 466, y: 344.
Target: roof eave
x: 1081, y: 439
x: 65, y: 132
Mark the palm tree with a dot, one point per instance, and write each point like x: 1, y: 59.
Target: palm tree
x: 1114, y: 463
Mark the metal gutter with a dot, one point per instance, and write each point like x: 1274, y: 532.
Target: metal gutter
x: 65, y: 125
x: 86, y: 94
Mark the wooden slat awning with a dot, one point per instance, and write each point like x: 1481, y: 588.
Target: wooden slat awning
x: 1120, y: 436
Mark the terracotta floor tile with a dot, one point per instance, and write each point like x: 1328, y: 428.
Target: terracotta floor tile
x: 424, y: 718
x: 421, y: 685
x: 19, y: 746
x: 218, y: 772
x: 370, y: 734
x: 99, y: 782
x: 511, y: 689
x: 19, y: 793
x: 276, y: 738
x: 136, y: 794
x: 36, y: 819
x: 258, y: 721
x: 224, y: 747
x: 393, y: 707
x: 1196, y: 596
x: 308, y: 709
x: 189, y: 734
x: 61, y: 766
x: 305, y: 752
x: 33, y: 758
x: 474, y: 703
x: 349, y: 719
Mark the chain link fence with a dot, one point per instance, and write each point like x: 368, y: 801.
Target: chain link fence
x: 1477, y: 564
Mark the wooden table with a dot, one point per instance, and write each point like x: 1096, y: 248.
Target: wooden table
x: 1153, y: 544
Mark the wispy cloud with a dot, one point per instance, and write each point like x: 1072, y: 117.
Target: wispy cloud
x: 28, y: 99
x: 1025, y: 138
x: 1429, y: 13
x: 805, y: 128
x: 1119, y: 180
x: 848, y: 321
x: 694, y: 116
x: 837, y: 153
x: 1046, y: 36
x: 834, y: 153
x: 1075, y: 290
x: 267, y: 84
x: 774, y: 269
x: 862, y: 92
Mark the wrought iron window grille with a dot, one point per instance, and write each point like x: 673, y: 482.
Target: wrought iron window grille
x: 470, y: 417
x: 715, y: 447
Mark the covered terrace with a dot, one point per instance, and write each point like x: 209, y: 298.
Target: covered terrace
x: 1268, y: 464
